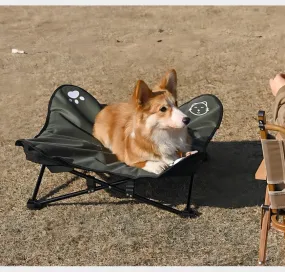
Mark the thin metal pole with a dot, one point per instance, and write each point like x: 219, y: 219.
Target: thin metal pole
x: 157, y: 204
x: 104, y: 185
x: 36, y: 190
x: 86, y: 191
x: 49, y: 200
x: 112, y: 186
x: 189, y: 193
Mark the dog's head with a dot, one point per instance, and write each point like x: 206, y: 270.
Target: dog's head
x: 158, y: 107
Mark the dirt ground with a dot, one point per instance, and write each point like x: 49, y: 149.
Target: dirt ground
x: 227, y: 51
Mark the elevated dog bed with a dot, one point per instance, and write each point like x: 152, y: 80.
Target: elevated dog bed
x: 66, y: 144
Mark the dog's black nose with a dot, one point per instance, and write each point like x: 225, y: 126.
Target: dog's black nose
x: 186, y: 120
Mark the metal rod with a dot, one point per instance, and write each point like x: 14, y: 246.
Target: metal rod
x: 82, y: 175
x: 112, y: 186
x: 46, y: 201
x: 157, y: 204
x: 103, y: 185
x: 149, y: 201
x: 36, y: 190
x: 189, y: 193
x: 101, y: 182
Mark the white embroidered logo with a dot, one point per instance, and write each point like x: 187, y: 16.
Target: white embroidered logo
x: 74, y: 95
x: 199, y: 108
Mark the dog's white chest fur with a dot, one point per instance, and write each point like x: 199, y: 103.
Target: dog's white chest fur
x: 170, y: 141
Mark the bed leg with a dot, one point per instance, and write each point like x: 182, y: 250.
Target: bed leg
x: 32, y: 203
x: 189, y: 193
x: 188, y: 211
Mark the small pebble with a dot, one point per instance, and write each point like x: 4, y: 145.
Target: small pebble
x: 17, y: 51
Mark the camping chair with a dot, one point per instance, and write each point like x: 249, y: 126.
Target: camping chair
x: 271, y: 169
x: 66, y: 144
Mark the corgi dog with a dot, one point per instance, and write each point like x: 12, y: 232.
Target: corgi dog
x: 148, y: 131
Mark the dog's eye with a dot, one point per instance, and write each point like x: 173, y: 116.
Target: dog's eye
x: 163, y: 109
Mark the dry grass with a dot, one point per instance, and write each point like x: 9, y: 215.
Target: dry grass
x: 228, y: 51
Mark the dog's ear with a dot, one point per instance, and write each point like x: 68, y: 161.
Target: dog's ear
x: 169, y: 82
x: 142, y: 93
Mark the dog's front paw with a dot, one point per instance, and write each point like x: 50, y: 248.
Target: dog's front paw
x: 169, y: 161
x: 190, y: 153
x: 156, y: 167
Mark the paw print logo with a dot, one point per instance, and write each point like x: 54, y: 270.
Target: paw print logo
x: 74, y: 96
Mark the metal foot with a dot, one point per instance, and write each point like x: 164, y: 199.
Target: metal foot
x: 34, y: 205
x: 189, y: 213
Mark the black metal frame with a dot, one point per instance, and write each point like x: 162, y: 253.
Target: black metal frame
x: 94, y: 184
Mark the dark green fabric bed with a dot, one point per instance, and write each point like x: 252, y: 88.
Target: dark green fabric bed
x: 65, y: 142
x: 66, y: 138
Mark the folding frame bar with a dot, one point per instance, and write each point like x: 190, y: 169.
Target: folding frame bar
x: 94, y: 184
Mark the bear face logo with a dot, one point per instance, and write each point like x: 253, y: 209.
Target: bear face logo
x: 199, y: 108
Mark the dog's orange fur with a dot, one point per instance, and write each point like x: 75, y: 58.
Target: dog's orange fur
x: 122, y: 127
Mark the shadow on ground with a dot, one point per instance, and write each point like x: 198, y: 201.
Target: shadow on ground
x: 226, y: 180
